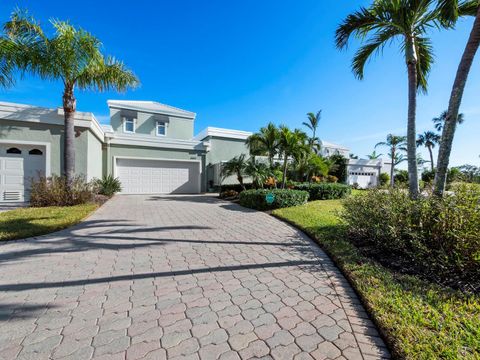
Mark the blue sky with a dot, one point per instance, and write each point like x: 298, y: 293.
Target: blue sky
x: 242, y: 64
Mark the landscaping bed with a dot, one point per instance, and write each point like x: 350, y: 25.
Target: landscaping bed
x: 28, y: 222
x: 419, y: 319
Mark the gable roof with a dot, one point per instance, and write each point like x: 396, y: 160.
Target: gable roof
x: 150, y: 107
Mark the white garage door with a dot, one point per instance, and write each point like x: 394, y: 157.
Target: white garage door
x: 158, y: 176
x: 18, y: 166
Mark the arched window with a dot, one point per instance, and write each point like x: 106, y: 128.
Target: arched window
x: 35, y: 152
x: 14, y: 150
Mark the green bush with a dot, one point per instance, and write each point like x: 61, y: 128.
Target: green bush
x: 428, y: 176
x: 256, y: 199
x: 401, y: 177
x: 325, y: 191
x: 108, y: 185
x: 234, y: 187
x: 384, y: 178
x: 54, y: 191
x: 439, y: 237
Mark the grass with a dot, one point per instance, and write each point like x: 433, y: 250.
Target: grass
x: 27, y: 222
x: 419, y: 320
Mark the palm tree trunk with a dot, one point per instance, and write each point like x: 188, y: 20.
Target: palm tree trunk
x: 69, y: 107
x: 240, y: 180
x: 411, y: 130
x: 431, y: 158
x: 454, y: 106
x: 285, y: 163
x: 392, y: 170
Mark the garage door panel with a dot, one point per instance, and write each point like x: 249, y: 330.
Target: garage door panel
x: 158, y: 176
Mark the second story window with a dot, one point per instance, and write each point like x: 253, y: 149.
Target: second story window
x: 161, y: 129
x: 129, y: 125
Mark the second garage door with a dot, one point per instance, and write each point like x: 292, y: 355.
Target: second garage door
x: 158, y: 176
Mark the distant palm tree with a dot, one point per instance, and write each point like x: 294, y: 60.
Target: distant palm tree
x: 73, y: 56
x: 237, y: 167
x: 265, y: 142
x: 386, y: 21
x: 259, y: 172
x: 395, y: 144
x: 292, y: 144
x: 450, y: 11
x: 429, y: 139
x: 374, y: 155
x: 312, y: 124
x: 439, y: 121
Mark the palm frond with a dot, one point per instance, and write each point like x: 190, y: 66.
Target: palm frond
x: 374, y: 46
x: 357, y: 24
x: 425, y: 60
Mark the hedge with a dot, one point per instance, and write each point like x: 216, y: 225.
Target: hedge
x: 325, y: 191
x: 256, y: 199
x: 235, y: 187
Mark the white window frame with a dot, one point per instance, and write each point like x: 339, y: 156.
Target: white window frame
x: 134, y: 121
x: 164, y: 124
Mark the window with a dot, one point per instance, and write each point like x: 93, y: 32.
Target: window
x: 128, y: 125
x: 35, y: 152
x: 14, y: 150
x: 161, y: 128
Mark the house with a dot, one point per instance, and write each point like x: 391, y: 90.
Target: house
x: 328, y: 149
x: 365, y: 173
x: 149, y: 146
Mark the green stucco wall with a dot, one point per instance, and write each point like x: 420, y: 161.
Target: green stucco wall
x: 53, y: 134
x: 177, y: 128
x: 223, y: 149
x: 94, y: 157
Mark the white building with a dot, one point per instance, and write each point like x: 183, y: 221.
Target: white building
x: 365, y: 173
x: 328, y: 149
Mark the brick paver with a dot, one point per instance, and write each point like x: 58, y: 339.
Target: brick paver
x: 178, y: 277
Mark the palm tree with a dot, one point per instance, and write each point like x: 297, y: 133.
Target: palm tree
x: 451, y: 10
x: 429, y: 139
x: 259, y: 172
x: 265, y: 142
x: 386, y: 21
x: 291, y: 144
x: 312, y: 124
x: 439, y: 121
x: 71, y: 55
x: 236, y: 166
x: 395, y: 144
x: 374, y: 155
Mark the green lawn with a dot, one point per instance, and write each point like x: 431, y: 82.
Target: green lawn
x: 418, y: 319
x: 28, y: 222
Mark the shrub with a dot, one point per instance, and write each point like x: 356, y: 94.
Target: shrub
x: 332, y: 179
x: 428, y: 176
x: 54, y: 191
x: 256, y: 199
x: 229, y: 194
x: 325, y: 191
x: 384, y: 178
x: 401, y: 177
x: 235, y: 187
x: 437, y: 237
x: 108, y: 185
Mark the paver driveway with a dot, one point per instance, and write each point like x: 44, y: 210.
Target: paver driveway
x: 182, y: 277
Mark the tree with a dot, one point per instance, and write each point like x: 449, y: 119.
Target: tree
x: 265, y: 142
x: 291, y: 144
x: 439, y: 121
x: 429, y: 139
x: 374, y: 155
x: 73, y: 56
x: 395, y: 144
x: 451, y: 10
x: 386, y: 21
x: 235, y: 167
x: 312, y: 124
x: 259, y: 172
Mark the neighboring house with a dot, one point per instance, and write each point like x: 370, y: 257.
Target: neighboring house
x: 328, y: 149
x: 149, y: 146
x: 365, y: 173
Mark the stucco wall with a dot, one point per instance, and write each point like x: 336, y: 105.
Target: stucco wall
x: 177, y: 128
x: 223, y: 149
x: 153, y: 153
x: 53, y: 134
x: 94, y: 157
